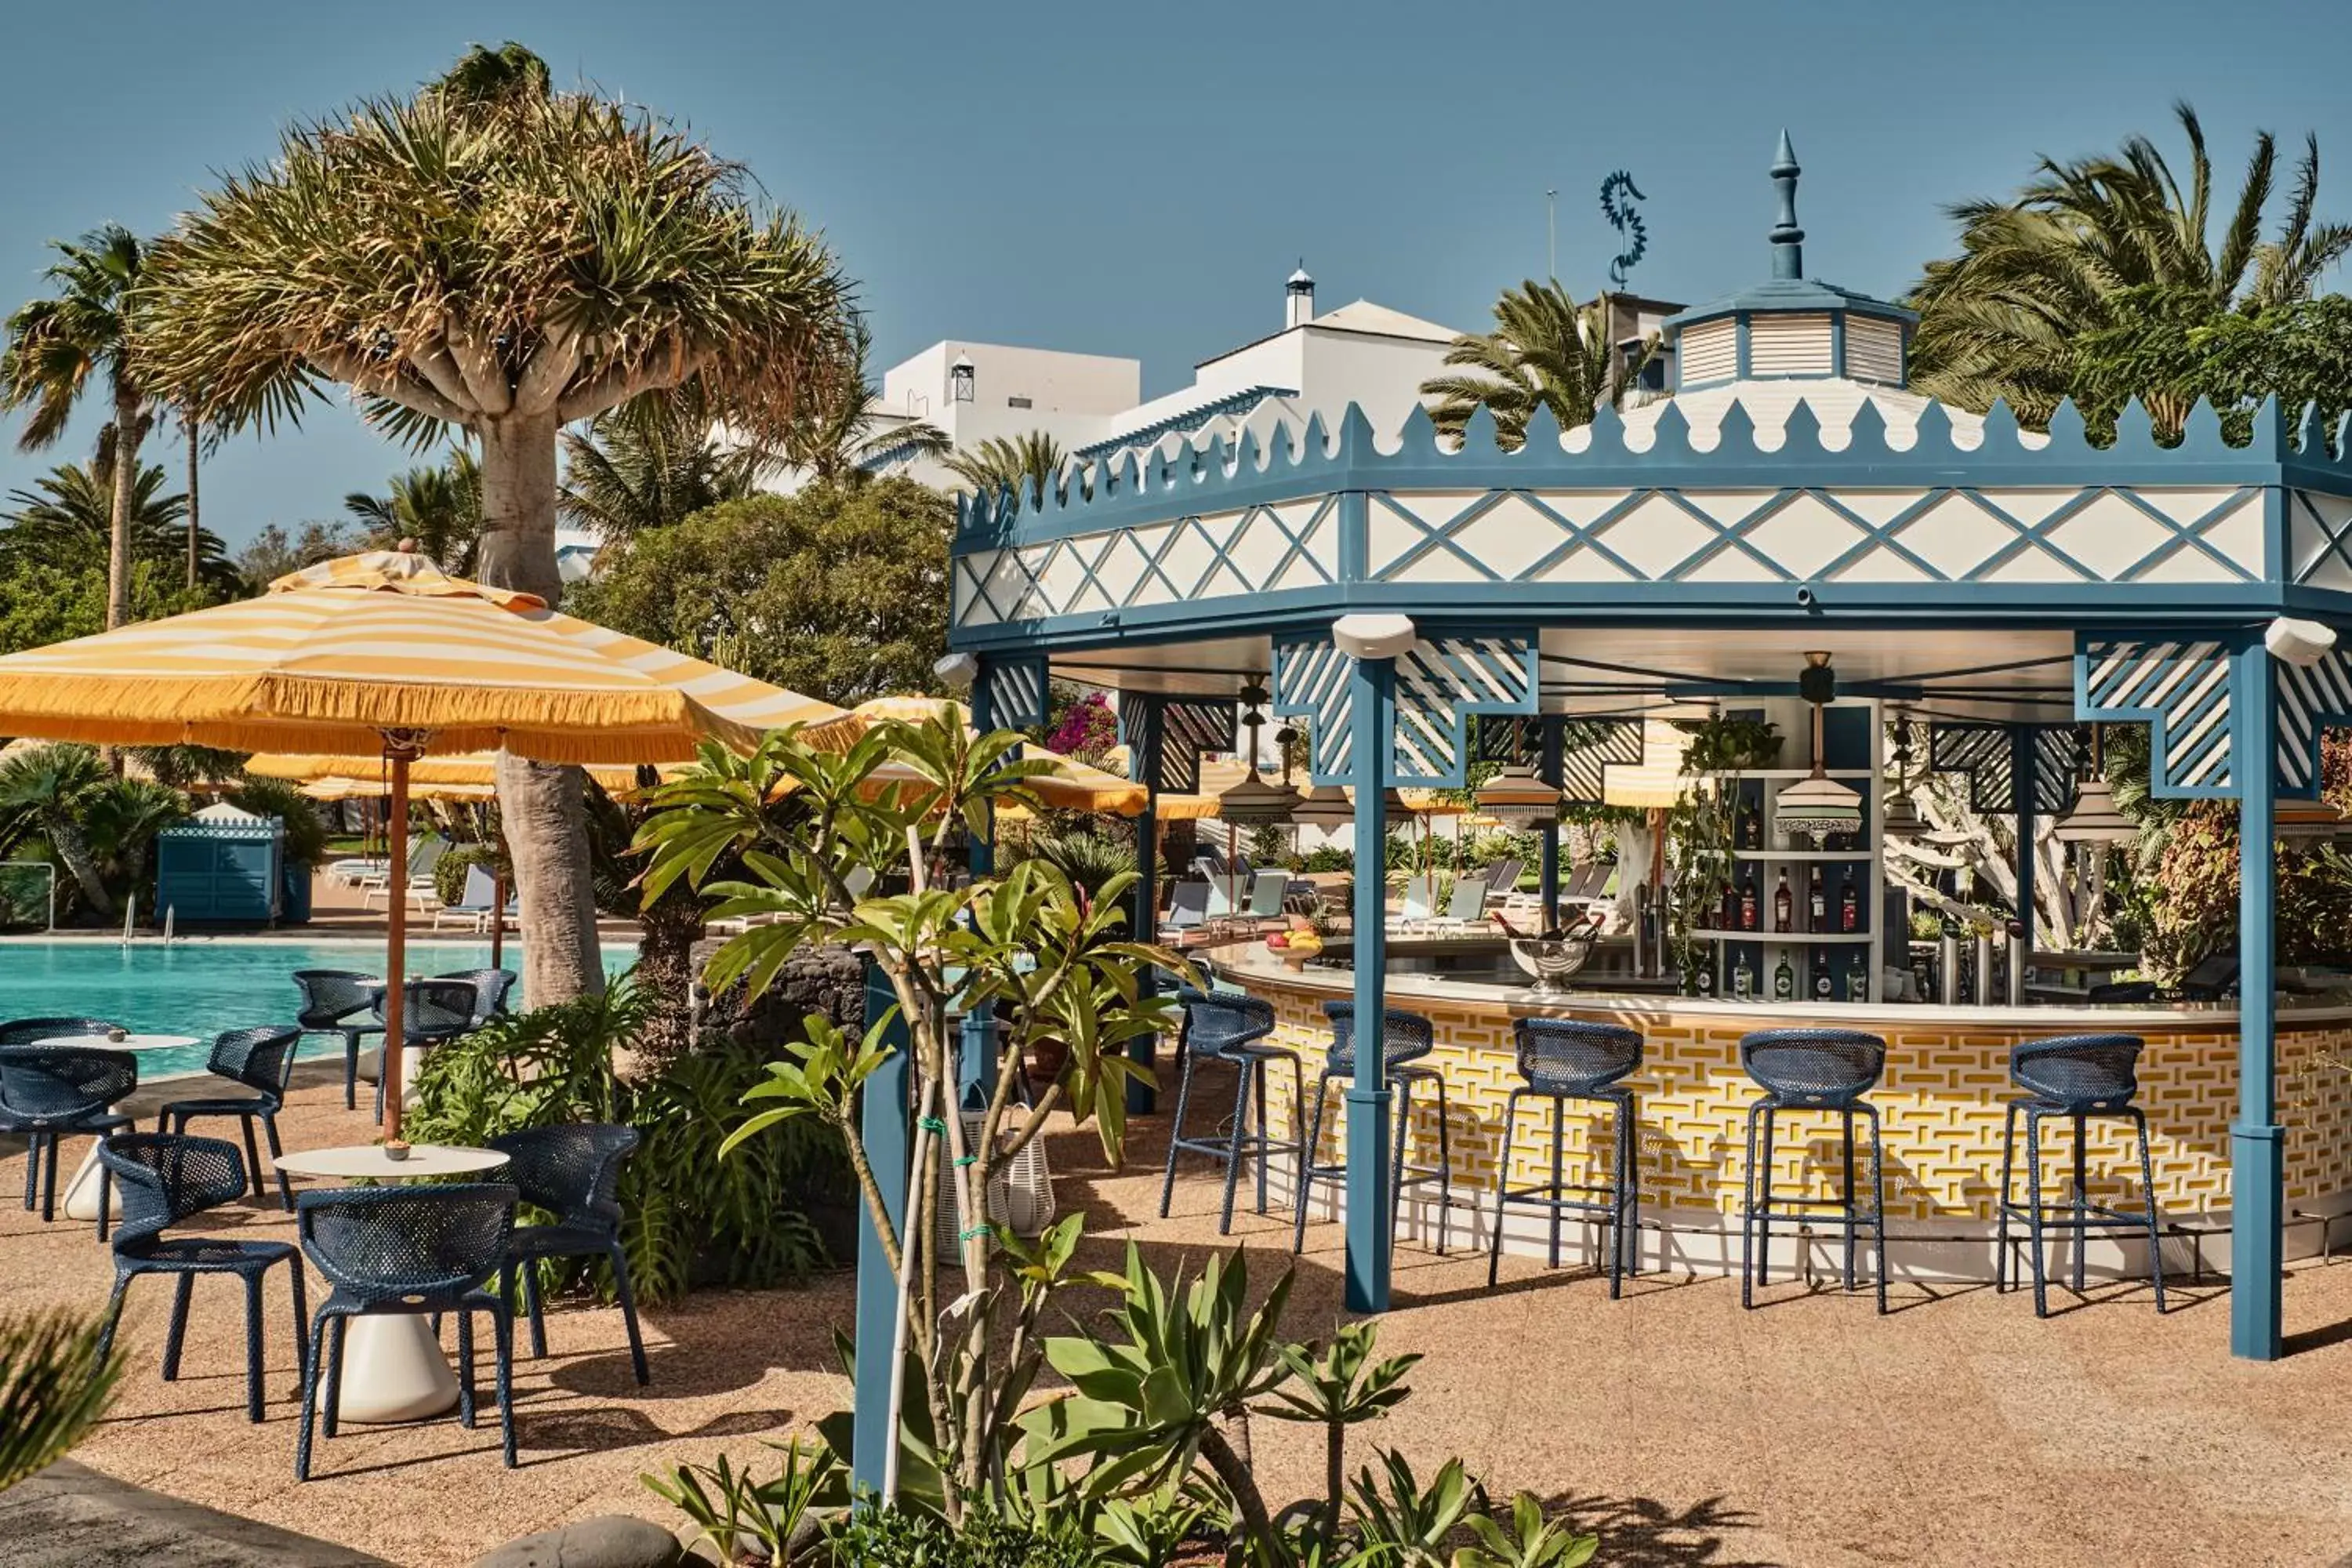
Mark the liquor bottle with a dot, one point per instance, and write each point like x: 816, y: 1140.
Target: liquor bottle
x: 1748, y: 913
x: 1857, y: 976
x: 1821, y: 988
x: 1782, y: 903
x: 1727, y: 919
x: 1752, y: 827
x: 1784, y: 980
x: 1816, y: 903
x: 1849, y: 904
x: 1706, y: 969
x: 1743, y: 978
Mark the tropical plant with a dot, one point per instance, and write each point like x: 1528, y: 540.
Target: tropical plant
x: 649, y: 466
x: 273, y: 552
x: 837, y: 592
x: 1526, y: 1540
x: 2080, y: 249
x: 494, y: 256
x: 842, y: 435
x: 889, y: 1537
x: 55, y: 345
x: 1546, y: 352
x: 306, y: 828
x: 1341, y: 1387
x: 691, y: 1215
x: 121, y: 820
x: 1410, y: 1525
x: 54, y: 787
x: 1030, y: 464
x: 1091, y: 862
x: 438, y: 507
x: 776, y: 1520
x: 54, y: 1383
x: 66, y: 519
x: 1050, y: 963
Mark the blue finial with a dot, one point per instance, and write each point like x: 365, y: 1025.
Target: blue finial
x: 1788, y: 239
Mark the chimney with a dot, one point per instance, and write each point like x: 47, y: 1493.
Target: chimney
x: 1298, y: 299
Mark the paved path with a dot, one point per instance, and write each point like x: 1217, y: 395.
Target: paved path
x: 70, y: 1516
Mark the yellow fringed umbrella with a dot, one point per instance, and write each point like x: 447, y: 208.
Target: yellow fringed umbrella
x: 1073, y: 785
x: 382, y: 653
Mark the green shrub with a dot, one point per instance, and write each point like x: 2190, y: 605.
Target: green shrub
x: 306, y: 830
x: 1330, y: 860
x: 891, y: 1537
x: 692, y: 1215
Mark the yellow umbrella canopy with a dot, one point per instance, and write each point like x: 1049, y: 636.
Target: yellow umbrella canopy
x: 332, y: 657
x: 1657, y: 781
x: 1217, y: 777
x: 473, y: 769
x: 1073, y: 785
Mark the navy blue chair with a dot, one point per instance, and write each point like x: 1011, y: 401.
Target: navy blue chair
x: 1562, y: 1060
x: 491, y: 987
x: 54, y: 1092
x: 408, y: 1250
x: 572, y: 1172
x: 432, y: 1010
x: 1801, y: 1070
x: 341, y: 1002
x: 1405, y: 1039
x: 32, y: 1032
x: 263, y: 1061
x: 1232, y: 1029
x: 163, y: 1180
x: 2074, y: 1077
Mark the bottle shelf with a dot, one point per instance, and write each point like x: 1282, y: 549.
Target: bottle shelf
x: 1847, y: 855
x: 1776, y: 938
x: 1788, y: 776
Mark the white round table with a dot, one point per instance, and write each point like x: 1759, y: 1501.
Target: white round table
x: 81, y: 1192
x: 392, y: 1366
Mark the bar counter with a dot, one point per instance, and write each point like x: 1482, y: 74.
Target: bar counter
x: 1941, y: 1098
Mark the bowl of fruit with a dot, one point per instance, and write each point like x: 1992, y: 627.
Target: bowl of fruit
x: 1294, y: 946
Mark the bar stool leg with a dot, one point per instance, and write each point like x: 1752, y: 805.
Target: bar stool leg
x: 1307, y: 1175
x: 1403, y: 1087
x: 1502, y: 1185
x: 1258, y: 1146
x: 1176, y: 1129
x: 1559, y: 1120
x: 2155, y: 1224
x: 2000, y: 1208
x: 1298, y: 1133
x: 1629, y: 1159
x: 1244, y: 1065
x: 2033, y: 1213
x: 1764, y: 1205
x: 1747, y: 1215
x: 1617, y: 1209
x: 1847, y: 1193
x: 2081, y: 1198
x: 1878, y: 1200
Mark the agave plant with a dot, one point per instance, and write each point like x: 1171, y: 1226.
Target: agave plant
x: 1340, y: 1388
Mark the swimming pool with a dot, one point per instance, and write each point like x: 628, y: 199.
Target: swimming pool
x: 201, y: 986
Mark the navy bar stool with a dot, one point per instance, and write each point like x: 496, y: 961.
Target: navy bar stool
x: 2075, y: 1076
x: 1224, y: 1027
x: 1563, y: 1059
x: 1405, y: 1039
x: 1811, y: 1070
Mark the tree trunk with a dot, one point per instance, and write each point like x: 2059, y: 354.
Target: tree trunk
x: 64, y: 838
x: 546, y: 827
x: 193, y: 526
x: 669, y: 931
x: 128, y: 428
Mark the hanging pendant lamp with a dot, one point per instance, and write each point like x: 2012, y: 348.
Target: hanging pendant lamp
x: 1902, y: 819
x: 1816, y: 804
x: 1255, y: 803
x: 2094, y: 819
x: 1517, y: 798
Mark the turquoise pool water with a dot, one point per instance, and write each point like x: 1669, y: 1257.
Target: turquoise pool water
x: 200, y: 987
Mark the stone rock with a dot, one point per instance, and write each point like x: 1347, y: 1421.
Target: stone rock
x: 608, y: 1540
x: 827, y: 980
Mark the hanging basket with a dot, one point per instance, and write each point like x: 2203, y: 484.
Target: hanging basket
x: 1020, y: 1192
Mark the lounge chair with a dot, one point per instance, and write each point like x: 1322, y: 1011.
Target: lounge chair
x: 1503, y: 878
x: 474, y: 908
x: 424, y: 854
x: 1420, y: 903
x: 1465, y: 909
x: 1188, y: 909
x: 1268, y: 889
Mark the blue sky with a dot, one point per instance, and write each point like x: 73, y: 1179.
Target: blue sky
x: 1137, y: 180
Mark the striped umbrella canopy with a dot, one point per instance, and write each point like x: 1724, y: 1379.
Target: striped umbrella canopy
x: 444, y: 774
x: 384, y: 655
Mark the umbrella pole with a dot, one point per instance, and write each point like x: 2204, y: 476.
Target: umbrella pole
x: 395, y: 955
x: 497, y: 901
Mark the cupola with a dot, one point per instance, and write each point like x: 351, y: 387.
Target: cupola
x: 1792, y: 327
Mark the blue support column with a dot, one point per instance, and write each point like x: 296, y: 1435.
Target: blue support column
x: 976, y: 1055
x: 886, y: 1125
x: 1373, y: 719
x: 1143, y: 752
x: 1548, y: 863
x: 2257, y: 1144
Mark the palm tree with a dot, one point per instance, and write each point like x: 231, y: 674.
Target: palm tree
x: 495, y: 257
x: 120, y: 823
x: 1546, y: 352
x: 643, y: 467
x: 2084, y: 246
x: 840, y: 435
x: 55, y: 344
x: 54, y: 786
x: 67, y: 519
x: 439, y: 507
x: 1030, y: 464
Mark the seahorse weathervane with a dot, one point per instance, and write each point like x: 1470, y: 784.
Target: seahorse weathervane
x: 1624, y: 220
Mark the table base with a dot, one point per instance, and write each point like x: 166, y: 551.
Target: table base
x: 393, y: 1370
x: 81, y: 1193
